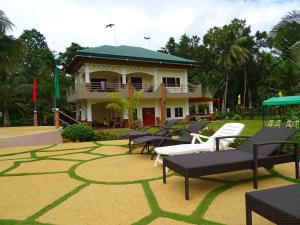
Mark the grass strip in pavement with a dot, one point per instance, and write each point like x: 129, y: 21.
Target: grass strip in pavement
x: 277, y: 174
x: 55, y: 203
x: 20, y: 222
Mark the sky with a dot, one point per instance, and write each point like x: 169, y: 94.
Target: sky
x: 84, y: 21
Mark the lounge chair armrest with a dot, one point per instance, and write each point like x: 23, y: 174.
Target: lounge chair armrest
x: 256, y: 149
x: 198, y: 138
x: 164, y: 128
x: 231, y: 136
x: 149, y: 127
x: 169, y: 134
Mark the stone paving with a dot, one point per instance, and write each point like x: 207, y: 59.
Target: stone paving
x: 101, y: 183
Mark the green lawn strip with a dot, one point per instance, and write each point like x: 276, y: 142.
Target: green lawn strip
x: 65, y: 154
x: 68, y: 149
x: 63, y: 159
x: 15, y: 165
x: 96, y: 143
x: 251, y: 126
x: 58, y: 201
x: 29, y: 151
x: 16, y: 159
x: 19, y: 222
x: 208, y: 199
x: 157, y: 212
x: 277, y: 174
x: 29, y: 174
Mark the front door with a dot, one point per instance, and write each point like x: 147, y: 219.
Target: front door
x: 148, y: 116
x: 137, y: 82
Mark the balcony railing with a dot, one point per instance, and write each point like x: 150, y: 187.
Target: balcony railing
x: 100, y: 89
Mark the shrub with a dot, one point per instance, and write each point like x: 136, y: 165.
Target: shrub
x: 207, y: 131
x: 79, y: 132
x: 236, y: 117
x: 105, y: 136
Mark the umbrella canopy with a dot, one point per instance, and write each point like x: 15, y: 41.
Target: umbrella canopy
x: 286, y: 100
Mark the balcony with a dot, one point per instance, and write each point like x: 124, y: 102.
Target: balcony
x: 99, y: 90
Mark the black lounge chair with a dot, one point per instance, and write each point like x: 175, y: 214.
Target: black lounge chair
x: 167, y: 140
x: 280, y: 205
x: 144, y: 131
x: 257, y: 151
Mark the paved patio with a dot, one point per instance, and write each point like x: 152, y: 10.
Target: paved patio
x: 100, y: 183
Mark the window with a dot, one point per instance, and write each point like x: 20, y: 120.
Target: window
x: 171, y: 81
x: 168, y: 112
x: 178, y: 112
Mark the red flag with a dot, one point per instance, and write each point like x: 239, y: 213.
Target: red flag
x: 34, y: 93
x: 219, y: 102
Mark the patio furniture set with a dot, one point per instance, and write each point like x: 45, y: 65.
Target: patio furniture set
x: 264, y: 149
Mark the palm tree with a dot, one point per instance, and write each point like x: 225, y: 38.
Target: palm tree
x: 11, y: 49
x: 119, y: 103
x: 13, y: 89
x: 292, y: 18
x: 5, y: 23
x: 232, y: 56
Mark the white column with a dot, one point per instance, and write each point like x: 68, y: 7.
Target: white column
x: 155, y: 82
x: 83, y: 111
x: 89, y: 111
x: 125, y: 114
x: 123, y: 76
x: 211, y: 107
x: 87, y: 73
x: 77, y: 111
x: 187, y: 108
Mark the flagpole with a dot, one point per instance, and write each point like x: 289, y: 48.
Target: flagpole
x: 56, y: 96
x: 34, y: 98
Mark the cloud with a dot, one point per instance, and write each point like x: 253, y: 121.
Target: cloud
x: 83, y: 22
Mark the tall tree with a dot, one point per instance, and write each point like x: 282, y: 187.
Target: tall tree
x: 227, y: 45
x: 65, y: 57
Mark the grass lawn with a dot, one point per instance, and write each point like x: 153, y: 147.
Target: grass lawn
x: 251, y: 126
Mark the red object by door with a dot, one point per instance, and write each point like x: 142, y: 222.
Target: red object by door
x: 148, y: 116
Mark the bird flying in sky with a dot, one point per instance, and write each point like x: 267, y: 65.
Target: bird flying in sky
x: 147, y: 38
x: 110, y: 25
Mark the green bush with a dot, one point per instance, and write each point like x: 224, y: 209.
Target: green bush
x: 236, y: 117
x: 79, y: 132
x: 105, y: 136
x: 208, y: 131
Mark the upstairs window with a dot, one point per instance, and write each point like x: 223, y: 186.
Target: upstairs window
x: 178, y: 112
x: 171, y: 81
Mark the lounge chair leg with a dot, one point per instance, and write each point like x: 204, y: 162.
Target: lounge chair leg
x: 158, y: 160
x: 187, y: 191
x: 129, y: 144
x: 164, y: 174
x: 255, y: 178
x: 248, y: 217
x: 145, y: 146
x: 153, y: 155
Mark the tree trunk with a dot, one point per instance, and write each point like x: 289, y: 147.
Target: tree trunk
x: 250, y: 105
x: 224, y: 105
x: 6, y: 119
x: 245, y: 87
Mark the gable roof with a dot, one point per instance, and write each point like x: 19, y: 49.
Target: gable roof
x: 124, y: 52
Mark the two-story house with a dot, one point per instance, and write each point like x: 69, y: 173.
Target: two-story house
x: 161, y: 77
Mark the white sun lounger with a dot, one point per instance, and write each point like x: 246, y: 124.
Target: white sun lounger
x: 228, y: 129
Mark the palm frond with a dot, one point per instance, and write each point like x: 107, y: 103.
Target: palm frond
x: 292, y: 17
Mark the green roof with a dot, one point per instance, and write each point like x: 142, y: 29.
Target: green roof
x: 132, y: 53
x: 286, y: 100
